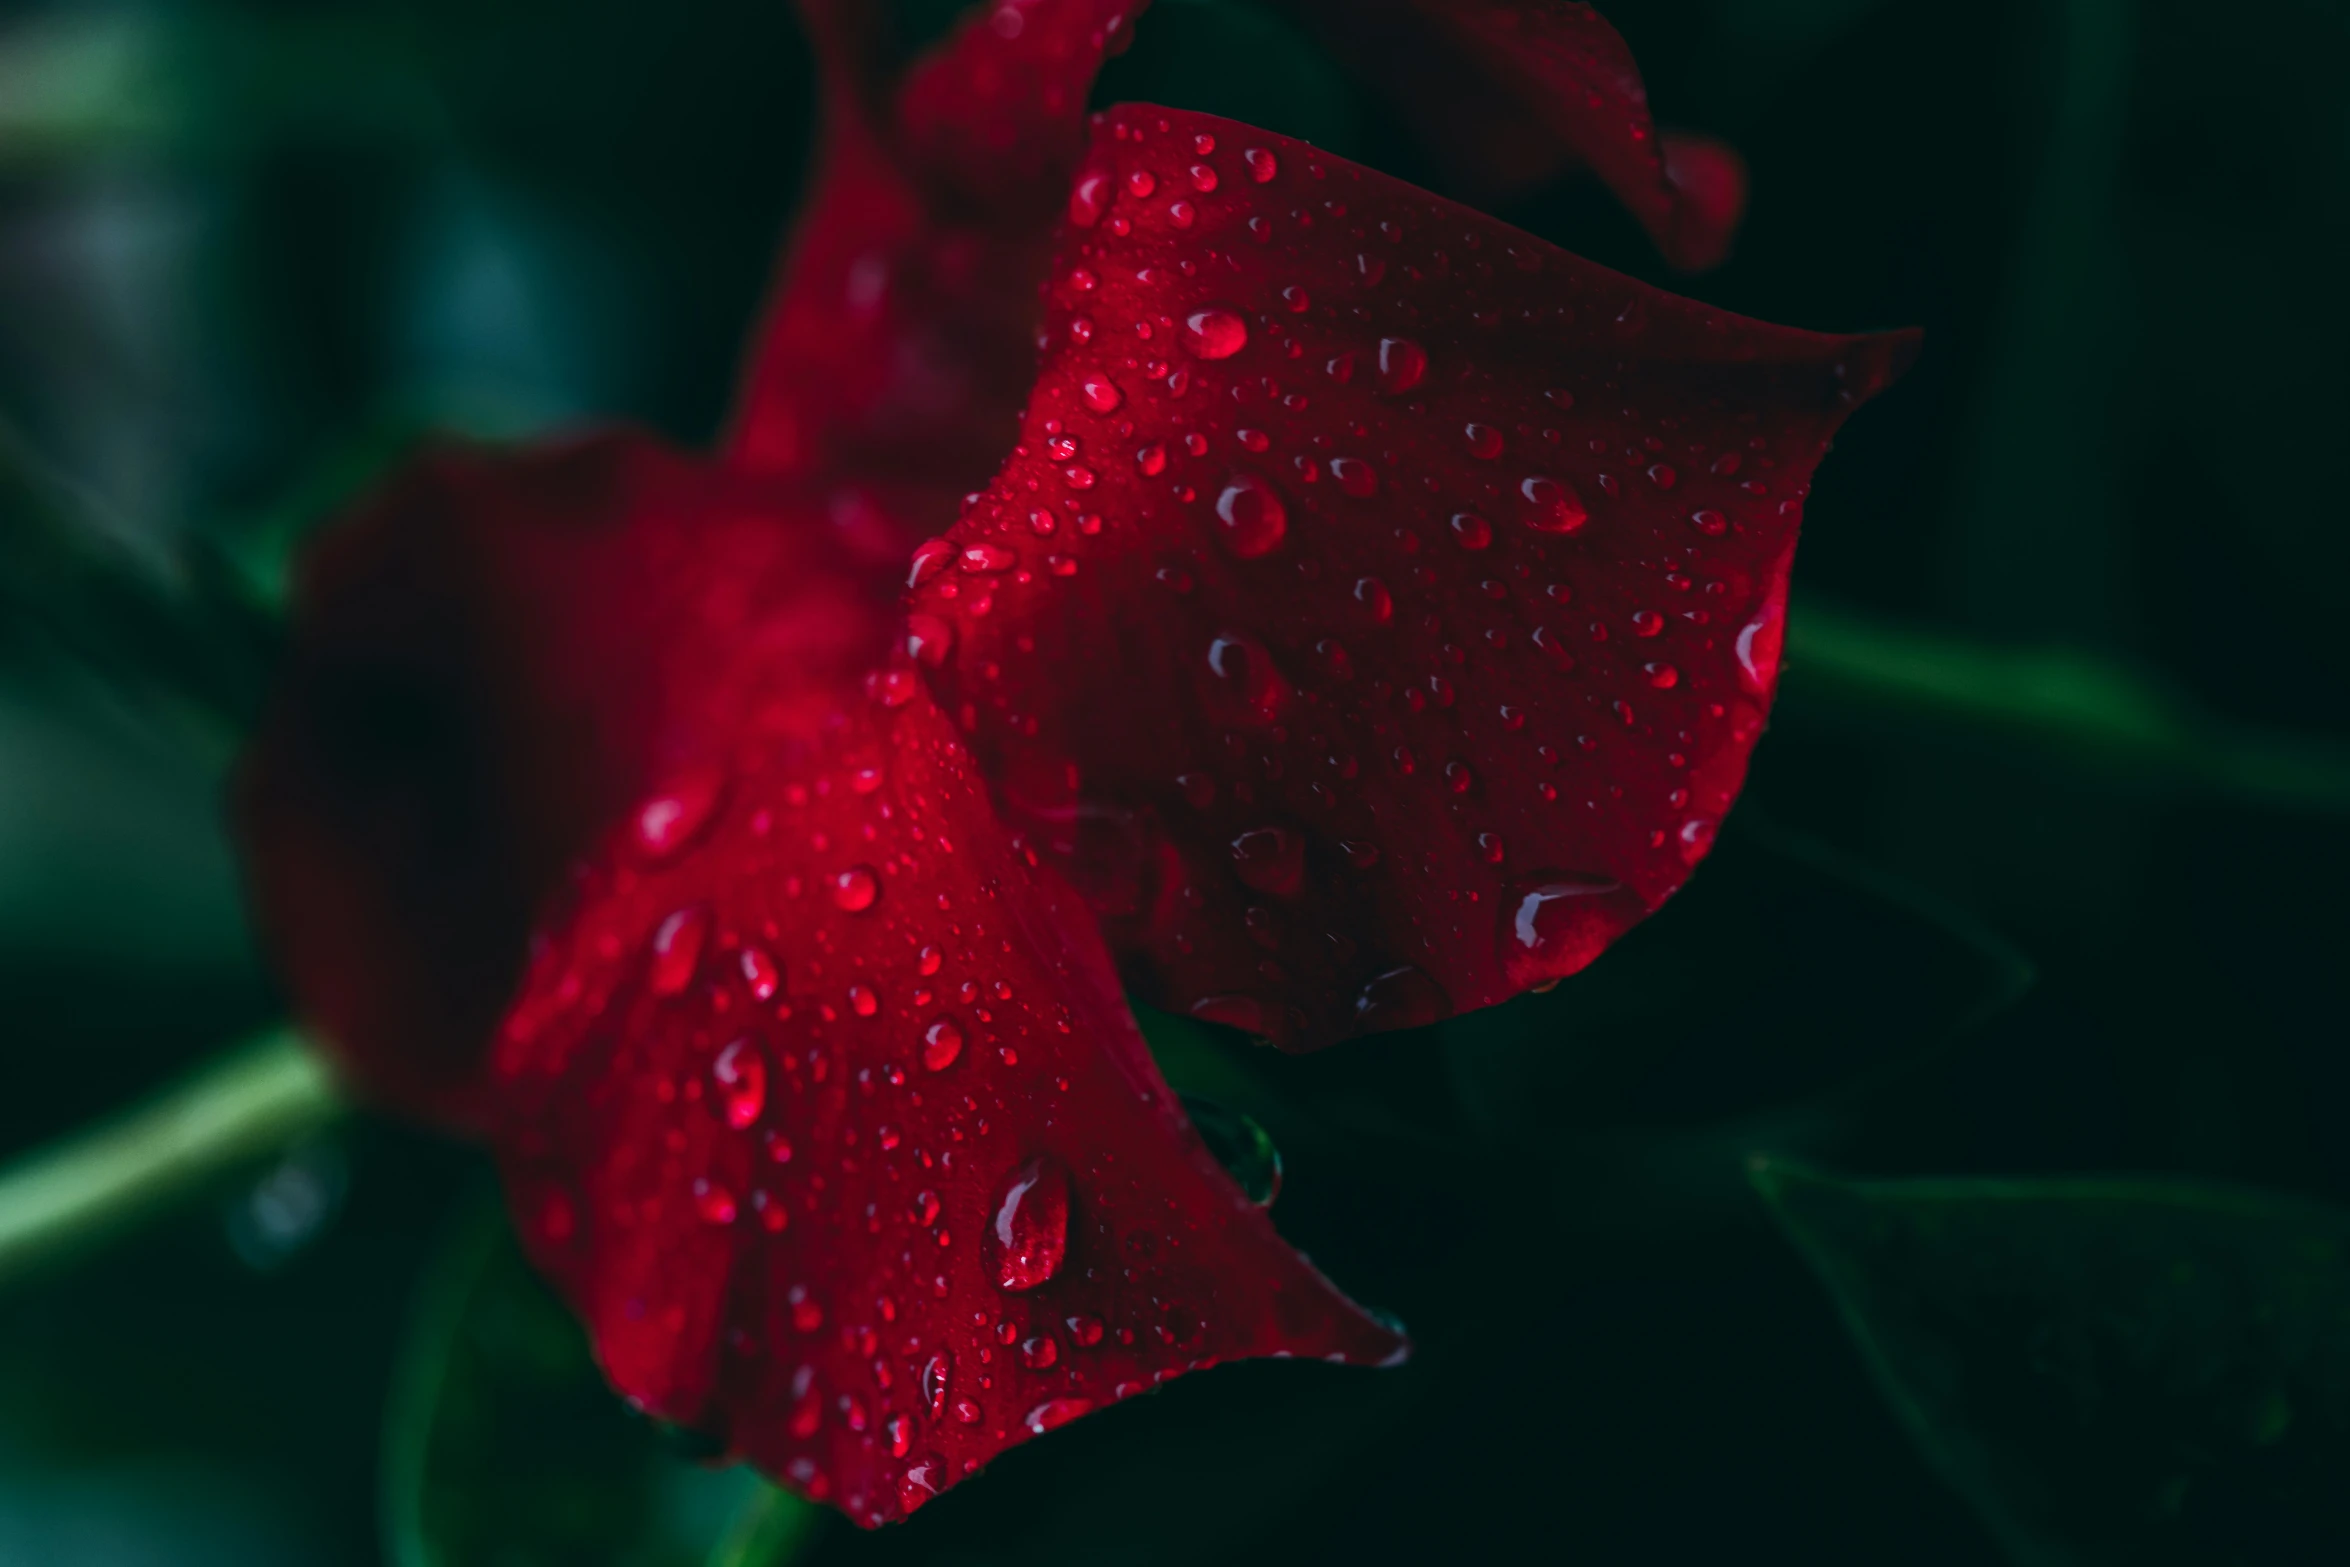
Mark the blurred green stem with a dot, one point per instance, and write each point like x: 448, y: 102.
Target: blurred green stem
x: 2073, y: 707
x: 99, y: 1181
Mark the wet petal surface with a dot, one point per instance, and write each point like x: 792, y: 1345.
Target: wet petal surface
x: 882, y: 1181
x: 1398, y: 635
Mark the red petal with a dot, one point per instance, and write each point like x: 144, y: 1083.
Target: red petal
x: 1513, y: 90
x: 901, y: 340
x: 878, y: 1179
x: 1396, y: 635
x: 489, y: 657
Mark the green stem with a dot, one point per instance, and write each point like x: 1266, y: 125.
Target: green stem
x: 105, y: 1178
x: 2075, y: 707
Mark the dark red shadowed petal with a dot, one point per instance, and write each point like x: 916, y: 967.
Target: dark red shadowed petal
x: 1512, y: 91
x: 1381, y: 605
x: 876, y: 1179
x: 901, y: 340
x: 490, y: 657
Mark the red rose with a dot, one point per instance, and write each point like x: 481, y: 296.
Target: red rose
x: 1369, y: 616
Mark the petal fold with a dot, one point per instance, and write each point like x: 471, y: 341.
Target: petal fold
x: 1510, y: 92
x: 1379, y: 609
x: 489, y: 656
x: 826, y: 1113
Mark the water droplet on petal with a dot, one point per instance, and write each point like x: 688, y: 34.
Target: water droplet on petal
x: 669, y: 820
x: 1355, y: 476
x: 1030, y: 1227
x: 1101, y: 394
x: 1041, y: 1352
x: 1697, y: 836
x: 1272, y: 860
x: 1759, y: 643
x: 929, y: 639
x: 1091, y: 197
x: 1402, y: 364
x: 713, y: 1202
x: 1401, y: 998
x: 741, y: 1075
x: 1556, y: 923
x: 1262, y: 165
x: 677, y: 949
x: 936, y: 1373
x: 1471, y: 531
x: 924, y: 1478
x: 1214, y: 333
x: 1556, y: 508
x: 1372, y: 594
x: 1253, y: 517
x: 942, y: 1042
x: 856, y: 888
x: 1485, y: 442
x: 1055, y: 1412
x: 760, y: 973
x: 930, y: 558
x: 1085, y: 1329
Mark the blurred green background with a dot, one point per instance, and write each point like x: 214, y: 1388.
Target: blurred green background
x: 2071, y: 665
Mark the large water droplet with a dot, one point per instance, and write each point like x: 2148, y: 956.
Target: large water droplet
x: 1101, y: 394
x: 937, y: 1372
x: 1272, y: 860
x: 674, y: 816
x: 741, y: 1075
x: 1240, y: 1145
x: 930, y: 558
x: 1214, y: 333
x: 1355, y: 477
x: 929, y: 639
x: 1554, y: 505
x: 760, y: 975
x: 923, y: 1479
x: 1030, y: 1227
x: 677, y: 950
x: 1760, y: 641
x: 942, y: 1042
x: 1471, y: 531
x: 1262, y: 165
x: 856, y: 889
x: 1555, y: 923
x: 1254, y: 520
x: 1055, y: 1412
x: 1040, y: 1352
x: 1094, y: 191
x: 1401, y: 998
x: 1402, y: 363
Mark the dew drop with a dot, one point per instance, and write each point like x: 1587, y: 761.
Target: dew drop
x: 1030, y: 1227
x: 760, y: 974
x: 863, y: 1001
x: 1041, y: 1352
x: 929, y: 639
x: 924, y: 1478
x: 1055, y: 1412
x: 1401, y: 998
x: 1101, y: 394
x: 672, y: 818
x: 1214, y: 333
x: 677, y: 949
x: 741, y: 1075
x: 1556, y: 923
x: 1262, y: 165
x: 713, y: 1202
x: 936, y: 1372
x: 856, y: 889
x: 1355, y: 476
x: 1272, y: 860
x: 1091, y: 198
x: 930, y: 558
x: 1253, y: 517
x: 942, y: 1043
x: 1556, y: 508
x: 1085, y: 1329
x: 1372, y: 594
x: 1402, y: 364
x: 1471, y: 531
x: 1485, y: 441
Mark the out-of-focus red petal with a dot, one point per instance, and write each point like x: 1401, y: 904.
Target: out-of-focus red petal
x: 1380, y: 607
x: 489, y: 656
x: 901, y: 339
x: 1512, y: 91
x: 826, y: 1113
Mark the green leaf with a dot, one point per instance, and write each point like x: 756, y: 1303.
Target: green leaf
x: 506, y: 1448
x: 1783, y: 970
x: 2111, y: 1371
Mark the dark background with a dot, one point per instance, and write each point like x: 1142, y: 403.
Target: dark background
x: 246, y: 248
